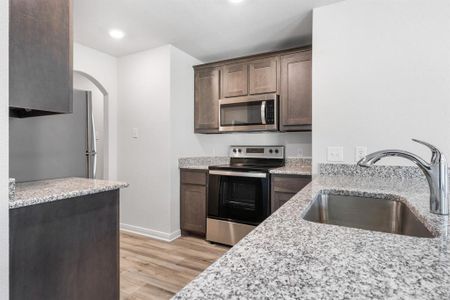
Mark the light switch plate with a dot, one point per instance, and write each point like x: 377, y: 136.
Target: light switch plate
x: 335, y: 154
x: 135, y: 133
x: 360, y: 152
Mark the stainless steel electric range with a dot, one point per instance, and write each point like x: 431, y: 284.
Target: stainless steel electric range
x: 239, y: 193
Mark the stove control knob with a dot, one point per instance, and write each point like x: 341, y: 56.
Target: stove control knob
x: 234, y: 150
x: 276, y: 151
x: 239, y: 150
x: 270, y: 151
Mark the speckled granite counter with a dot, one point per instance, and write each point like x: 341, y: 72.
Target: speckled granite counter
x: 202, y: 163
x: 287, y: 257
x: 12, y: 188
x: 294, y: 166
x: 36, y: 192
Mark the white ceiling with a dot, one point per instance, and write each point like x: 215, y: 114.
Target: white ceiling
x: 206, y: 29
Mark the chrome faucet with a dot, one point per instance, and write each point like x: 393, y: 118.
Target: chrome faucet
x: 436, y: 173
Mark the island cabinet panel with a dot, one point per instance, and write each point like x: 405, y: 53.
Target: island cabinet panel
x: 66, y: 249
x: 193, y: 193
x: 235, y: 80
x: 284, y: 187
x: 296, y: 91
x: 40, y: 57
x: 263, y: 75
x: 206, y: 104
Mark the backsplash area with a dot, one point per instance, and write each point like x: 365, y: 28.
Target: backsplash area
x: 386, y: 172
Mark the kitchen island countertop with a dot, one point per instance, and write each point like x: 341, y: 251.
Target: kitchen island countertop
x: 43, y: 191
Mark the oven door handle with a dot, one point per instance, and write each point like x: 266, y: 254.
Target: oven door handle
x: 238, y: 174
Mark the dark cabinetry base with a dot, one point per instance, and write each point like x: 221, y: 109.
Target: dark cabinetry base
x: 67, y: 249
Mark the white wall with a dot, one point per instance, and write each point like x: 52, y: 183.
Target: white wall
x: 156, y: 95
x: 144, y: 93
x: 4, y: 132
x: 83, y: 83
x: 103, y: 68
x: 381, y: 75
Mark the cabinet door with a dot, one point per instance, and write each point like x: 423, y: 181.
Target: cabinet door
x: 284, y: 187
x: 193, y: 208
x: 67, y: 249
x: 278, y: 199
x: 207, y: 94
x: 40, y: 57
x: 235, y: 80
x: 263, y: 76
x: 296, y: 94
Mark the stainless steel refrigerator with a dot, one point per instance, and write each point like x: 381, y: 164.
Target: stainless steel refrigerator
x: 55, y: 146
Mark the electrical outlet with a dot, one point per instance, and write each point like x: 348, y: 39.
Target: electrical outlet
x: 335, y: 154
x: 360, y: 152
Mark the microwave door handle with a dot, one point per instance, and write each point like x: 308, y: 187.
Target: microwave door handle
x: 263, y: 112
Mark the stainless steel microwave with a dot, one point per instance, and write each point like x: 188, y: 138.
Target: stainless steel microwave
x: 250, y: 113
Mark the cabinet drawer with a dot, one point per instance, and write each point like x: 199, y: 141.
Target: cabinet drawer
x: 194, y: 177
x: 289, y: 184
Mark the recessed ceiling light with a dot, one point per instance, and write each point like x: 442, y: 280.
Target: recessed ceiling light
x: 116, y: 34
x: 235, y: 1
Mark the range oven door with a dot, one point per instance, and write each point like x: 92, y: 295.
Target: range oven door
x: 251, y: 113
x: 241, y: 197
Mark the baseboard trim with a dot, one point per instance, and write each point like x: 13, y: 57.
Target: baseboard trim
x: 155, y: 234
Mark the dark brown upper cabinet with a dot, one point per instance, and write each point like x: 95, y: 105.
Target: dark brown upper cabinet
x: 296, y: 91
x: 263, y: 75
x: 206, y: 103
x: 235, y: 80
x: 40, y: 55
x: 286, y: 73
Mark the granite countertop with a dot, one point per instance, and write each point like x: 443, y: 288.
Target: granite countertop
x: 294, y: 166
x: 37, y: 192
x: 202, y: 163
x: 287, y: 257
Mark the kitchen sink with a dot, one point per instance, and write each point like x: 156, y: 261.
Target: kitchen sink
x: 370, y: 213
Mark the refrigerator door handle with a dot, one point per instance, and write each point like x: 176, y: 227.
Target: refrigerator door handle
x: 94, y: 148
x: 92, y: 140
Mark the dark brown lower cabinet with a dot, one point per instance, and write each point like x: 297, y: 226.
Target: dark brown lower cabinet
x: 67, y: 249
x: 193, y: 191
x: 284, y: 187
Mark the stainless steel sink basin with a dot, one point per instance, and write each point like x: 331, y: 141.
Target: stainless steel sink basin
x: 377, y: 214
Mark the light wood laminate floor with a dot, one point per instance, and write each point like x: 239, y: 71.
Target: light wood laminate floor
x: 153, y: 269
